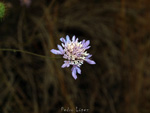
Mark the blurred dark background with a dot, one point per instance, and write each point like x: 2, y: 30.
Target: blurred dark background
x: 119, y: 31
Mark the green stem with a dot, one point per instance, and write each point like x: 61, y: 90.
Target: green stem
x: 27, y: 52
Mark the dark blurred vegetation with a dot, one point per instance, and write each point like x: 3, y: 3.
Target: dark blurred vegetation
x: 119, y: 31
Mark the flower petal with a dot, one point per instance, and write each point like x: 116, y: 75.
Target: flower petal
x: 66, y: 64
x: 90, y: 61
x: 62, y: 40
x: 60, y: 49
x: 83, y: 41
x: 67, y: 39
x: 57, y: 52
x: 86, y: 43
x: 77, y: 39
x: 87, y: 47
x: 62, y: 44
x: 73, y: 38
x: 89, y: 56
x: 72, y: 68
x: 78, y: 70
x: 74, y: 73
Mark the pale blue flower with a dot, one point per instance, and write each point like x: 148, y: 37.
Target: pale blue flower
x: 74, y: 53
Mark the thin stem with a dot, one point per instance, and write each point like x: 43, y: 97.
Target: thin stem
x: 27, y: 52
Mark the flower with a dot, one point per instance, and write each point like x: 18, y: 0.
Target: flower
x: 74, y: 53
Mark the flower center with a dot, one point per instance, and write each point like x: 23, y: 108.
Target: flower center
x: 75, y: 53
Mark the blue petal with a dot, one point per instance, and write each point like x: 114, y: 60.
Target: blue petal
x: 73, y: 38
x: 89, y: 56
x: 86, y: 43
x: 77, y: 39
x: 72, y: 68
x: 62, y: 40
x: 90, y: 61
x: 83, y: 41
x: 63, y: 44
x: 64, y: 65
x: 78, y: 70
x: 67, y: 38
x: 57, y: 52
x: 74, y: 73
x: 60, y: 49
x: 68, y: 64
x: 87, y: 47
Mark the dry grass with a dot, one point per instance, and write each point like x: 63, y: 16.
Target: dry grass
x: 120, y: 40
